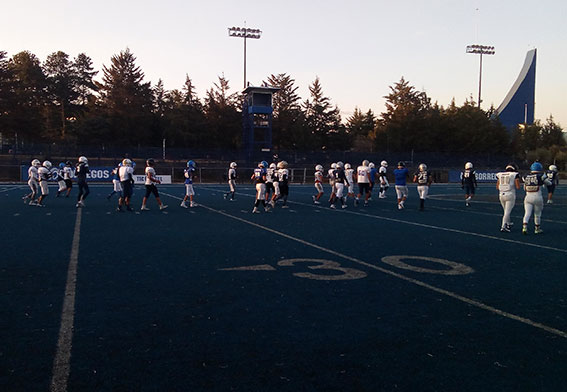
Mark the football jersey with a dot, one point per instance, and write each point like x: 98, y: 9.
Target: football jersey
x: 382, y: 171
x: 552, y: 176
x: 318, y: 176
x: 32, y: 173
x: 126, y: 173
x: 82, y: 171
x: 232, y: 174
x: 283, y: 175
x: 67, y: 173
x: 533, y: 182
x: 348, y: 174
x: 423, y: 177
x: 363, y: 175
x: 259, y: 174
x: 372, y: 174
x: 150, y: 176
x: 189, y: 173
x: 270, y: 174
x: 506, y: 181
x: 468, y: 177
x: 43, y: 174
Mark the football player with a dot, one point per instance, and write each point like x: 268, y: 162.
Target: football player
x: 259, y: 178
x: 44, y: 173
x: 33, y: 182
x: 340, y: 182
x: 232, y: 176
x: 401, y: 174
x: 283, y: 179
x: 60, y: 180
x: 271, y: 173
x: 150, y: 184
x: 372, y: 176
x: 331, y: 178
x: 382, y: 175
x: 533, y: 202
x: 82, y: 169
x: 424, y: 180
x: 68, y: 177
x: 363, y: 180
x: 507, y: 183
x: 318, y: 184
x: 126, y: 175
x: 468, y: 182
x: 189, y: 174
x: 553, y: 177
x: 349, y: 174
x: 116, y: 185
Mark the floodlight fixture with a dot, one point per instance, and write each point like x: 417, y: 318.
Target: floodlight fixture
x: 480, y: 49
x: 244, y: 32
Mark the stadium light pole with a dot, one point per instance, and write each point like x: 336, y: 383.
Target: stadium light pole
x: 244, y: 32
x: 480, y: 49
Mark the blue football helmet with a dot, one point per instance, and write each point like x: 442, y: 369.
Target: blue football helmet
x: 536, y: 167
x: 61, y: 165
x: 190, y: 164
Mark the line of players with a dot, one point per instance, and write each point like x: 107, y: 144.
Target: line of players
x: 40, y: 173
x: 341, y: 176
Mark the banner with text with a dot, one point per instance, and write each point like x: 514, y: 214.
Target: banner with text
x: 481, y: 176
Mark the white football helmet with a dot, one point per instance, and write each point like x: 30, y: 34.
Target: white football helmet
x: 468, y: 165
x: 83, y: 159
x: 47, y: 164
x: 272, y: 165
x: 319, y: 168
x: 233, y: 165
x: 282, y: 164
x: 126, y: 162
x: 553, y: 168
x: 422, y: 167
x: 371, y: 165
x: 365, y: 163
x: 340, y: 164
x: 333, y: 165
x: 36, y: 162
x: 384, y: 164
x: 347, y: 166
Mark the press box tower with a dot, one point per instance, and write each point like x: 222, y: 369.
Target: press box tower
x: 257, y: 114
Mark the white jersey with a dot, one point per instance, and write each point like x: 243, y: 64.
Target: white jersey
x: 506, y: 181
x: 126, y: 173
x: 283, y: 175
x: 67, y: 173
x: 43, y: 173
x: 232, y: 174
x: 349, y: 174
x: 32, y: 173
x: 363, y: 175
x: 150, y: 176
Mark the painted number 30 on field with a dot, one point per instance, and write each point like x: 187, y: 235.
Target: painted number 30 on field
x: 322, y: 269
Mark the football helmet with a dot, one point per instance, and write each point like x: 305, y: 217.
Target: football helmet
x: 282, y: 164
x: 61, y: 165
x: 272, y: 165
x: 333, y: 165
x: 68, y: 163
x: 511, y: 167
x: 468, y: 165
x: 233, y: 165
x: 536, y: 167
x: 371, y: 165
x: 340, y: 164
x: 384, y: 164
x: 83, y: 159
x: 553, y: 168
x: 365, y: 163
x: 347, y: 166
x: 126, y: 162
x: 150, y: 162
x: 190, y: 163
x: 422, y: 167
x: 47, y: 164
x: 36, y: 162
x: 319, y: 168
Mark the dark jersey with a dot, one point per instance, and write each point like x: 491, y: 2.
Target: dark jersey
x: 533, y: 181
x: 423, y: 177
x: 468, y: 177
x: 339, y: 176
x: 259, y: 175
x: 81, y: 172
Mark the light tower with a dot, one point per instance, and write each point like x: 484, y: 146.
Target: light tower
x: 480, y: 49
x: 244, y: 32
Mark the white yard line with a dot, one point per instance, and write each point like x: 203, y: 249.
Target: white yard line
x: 62, y: 361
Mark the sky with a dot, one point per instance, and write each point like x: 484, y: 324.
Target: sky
x: 358, y: 49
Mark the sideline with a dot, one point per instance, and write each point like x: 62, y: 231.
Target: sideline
x: 448, y: 293
x: 61, y: 363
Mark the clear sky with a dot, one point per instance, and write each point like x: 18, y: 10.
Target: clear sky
x: 357, y: 48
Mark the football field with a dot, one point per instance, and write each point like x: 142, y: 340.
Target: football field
x: 305, y: 298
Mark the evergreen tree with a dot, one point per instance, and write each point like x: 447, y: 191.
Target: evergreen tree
x: 84, y: 73
x: 224, y: 122
x: 127, y: 101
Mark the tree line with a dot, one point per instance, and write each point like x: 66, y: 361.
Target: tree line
x: 60, y: 101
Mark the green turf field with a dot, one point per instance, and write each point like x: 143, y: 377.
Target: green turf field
x: 215, y: 298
